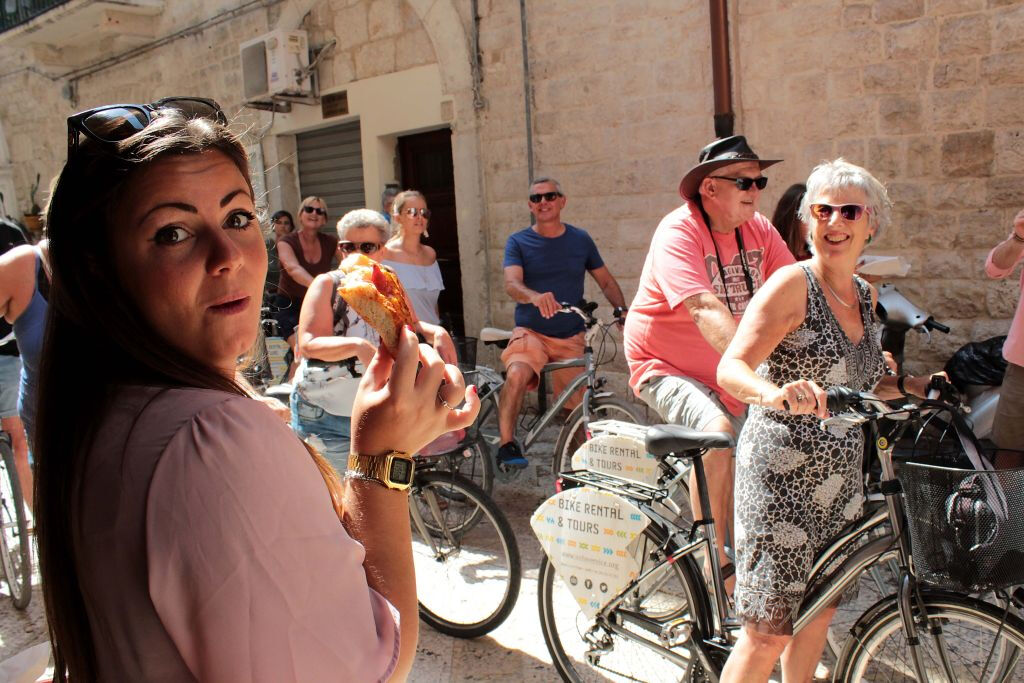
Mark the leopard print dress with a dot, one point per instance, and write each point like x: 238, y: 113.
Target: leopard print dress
x: 796, y: 484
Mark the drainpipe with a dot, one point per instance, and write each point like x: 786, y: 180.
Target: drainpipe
x: 526, y: 92
x: 721, y: 70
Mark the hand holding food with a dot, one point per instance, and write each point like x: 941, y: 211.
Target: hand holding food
x: 375, y: 293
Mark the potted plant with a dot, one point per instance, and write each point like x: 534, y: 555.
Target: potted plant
x: 32, y: 219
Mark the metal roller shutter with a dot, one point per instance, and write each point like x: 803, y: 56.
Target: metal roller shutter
x: 331, y: 166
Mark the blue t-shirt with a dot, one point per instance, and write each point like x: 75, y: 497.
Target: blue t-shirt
x: 552, y: 264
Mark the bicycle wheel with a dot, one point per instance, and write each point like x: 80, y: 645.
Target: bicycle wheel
x: 573, y: 435
x: 584, y: 650
x: 15, y: 544
x: 876, y: 582
x: 467, y: 574
x: 979, y: 641
x: 472, y: 460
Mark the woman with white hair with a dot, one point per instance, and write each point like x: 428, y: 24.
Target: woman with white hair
x: 811, y: 327
x: 335, y: 345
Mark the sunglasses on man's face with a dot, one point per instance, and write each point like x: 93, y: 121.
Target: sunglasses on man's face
x: 744, y: 184
x: 114, y: 123
x: 849, y: 212
x: 547, y: 196
x: 314, y: 209
x: 365, y: 247
x: 413, y: 211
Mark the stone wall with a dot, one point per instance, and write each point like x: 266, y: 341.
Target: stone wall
x: 925, y: 93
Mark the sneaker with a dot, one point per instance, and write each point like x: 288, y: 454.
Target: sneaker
x: 509, y: 456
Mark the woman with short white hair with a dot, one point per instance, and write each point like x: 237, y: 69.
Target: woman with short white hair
x: 811, y: 327
x: 335, y: 344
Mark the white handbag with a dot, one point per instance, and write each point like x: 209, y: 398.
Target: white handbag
x: 331, y: 386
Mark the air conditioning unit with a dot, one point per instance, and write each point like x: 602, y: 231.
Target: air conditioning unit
x: 275, y: 64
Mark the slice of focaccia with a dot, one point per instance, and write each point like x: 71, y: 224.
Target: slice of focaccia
x: 376, y: 294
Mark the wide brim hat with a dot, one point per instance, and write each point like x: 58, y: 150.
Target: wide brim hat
x: 721, y: 152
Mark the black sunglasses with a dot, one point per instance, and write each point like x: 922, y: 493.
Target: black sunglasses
x: 744, y: 184
x: 365, y: 247
x: 314, y: 209
x: 550, y: 196
x: 850, y: 212
x: 114, y: 123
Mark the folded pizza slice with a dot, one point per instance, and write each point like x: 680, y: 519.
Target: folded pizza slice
x: 375, y: 293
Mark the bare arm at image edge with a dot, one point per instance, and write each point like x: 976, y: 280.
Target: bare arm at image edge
x: 1002, y: 259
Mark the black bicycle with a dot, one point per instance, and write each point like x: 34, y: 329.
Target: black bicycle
x: 15, y: 543
x: 950, y: 532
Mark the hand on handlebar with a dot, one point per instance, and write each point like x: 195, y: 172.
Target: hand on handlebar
x: 802, y: 397
x: 546, y: 303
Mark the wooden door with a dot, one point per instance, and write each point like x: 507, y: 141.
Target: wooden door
x: 426, y: 165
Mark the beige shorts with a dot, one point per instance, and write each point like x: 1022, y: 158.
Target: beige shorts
x: 1008, y: 426
x: 685, y: 401
x: 536, y: 350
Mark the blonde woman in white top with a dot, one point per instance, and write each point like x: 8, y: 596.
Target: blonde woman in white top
x: 415, y: 263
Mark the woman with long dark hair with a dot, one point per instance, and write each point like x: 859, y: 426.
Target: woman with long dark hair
x: 789, y: 224
x: 184, y: 532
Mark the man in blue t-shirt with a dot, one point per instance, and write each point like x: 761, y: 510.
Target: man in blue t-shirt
x: 544, y: 265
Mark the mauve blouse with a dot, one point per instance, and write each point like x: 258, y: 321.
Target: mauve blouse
x: 208, y: 550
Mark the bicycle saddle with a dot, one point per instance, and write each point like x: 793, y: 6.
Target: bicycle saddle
x: 491, y: 335
x: 683, y: 442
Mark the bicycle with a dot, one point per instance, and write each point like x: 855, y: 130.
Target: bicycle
x: 468, y: 569
x: 596, y: 404
x: 15, y: 543
x: 666, y: 609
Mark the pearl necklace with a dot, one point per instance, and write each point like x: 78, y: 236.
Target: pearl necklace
x: 837, y: 297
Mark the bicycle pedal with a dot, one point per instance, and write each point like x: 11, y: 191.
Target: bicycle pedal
x: 676, y: 632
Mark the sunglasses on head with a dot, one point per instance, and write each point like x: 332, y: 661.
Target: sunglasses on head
x: 549, y: 196
x: 744, y: 184
x: 115, y: 123
x: 365, y: 247
x: 850, y: 212
x: 314, y: 209
x: 412, y: 211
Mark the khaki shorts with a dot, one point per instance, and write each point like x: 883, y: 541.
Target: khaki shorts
x: 685, y: 401
x: 1008, y: 425
x: 537, y: 350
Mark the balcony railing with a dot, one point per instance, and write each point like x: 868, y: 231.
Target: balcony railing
x: 16, y: 12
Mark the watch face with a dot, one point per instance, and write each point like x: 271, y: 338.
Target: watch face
x: 401, y: 471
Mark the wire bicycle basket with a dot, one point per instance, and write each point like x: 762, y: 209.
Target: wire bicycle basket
x: 966, y: 526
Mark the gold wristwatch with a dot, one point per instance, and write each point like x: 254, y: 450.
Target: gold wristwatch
x: 393, y: 470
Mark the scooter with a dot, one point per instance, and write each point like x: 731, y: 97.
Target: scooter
x: 899, y: 315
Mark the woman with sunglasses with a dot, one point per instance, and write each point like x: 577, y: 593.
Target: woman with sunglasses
x: 810, y: 327
x: 184, y: 532
x: 335, y: 345
x: 415, y: 263
x: 304, y: 254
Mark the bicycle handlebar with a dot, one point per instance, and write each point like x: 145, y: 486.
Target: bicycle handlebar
x: 930, y: 324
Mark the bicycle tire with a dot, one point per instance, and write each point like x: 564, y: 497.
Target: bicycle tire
x: 879, y: 643
x: 470, y: 584
x: 875, y: 583
x: 472, y: 460
x: 572, y: 436
x: 15, y: 544
x: 679, y: 588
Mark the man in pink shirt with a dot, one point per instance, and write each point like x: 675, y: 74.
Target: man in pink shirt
x: 707, y: 258
x: 1008, y: 428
